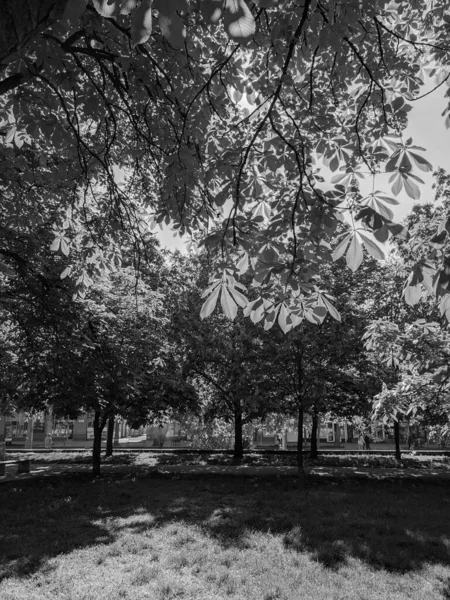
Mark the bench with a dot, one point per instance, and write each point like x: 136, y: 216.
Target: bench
x: 23, y: 466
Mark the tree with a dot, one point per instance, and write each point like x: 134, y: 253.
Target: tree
x: 107, y: 352
x: 91, y: 87
x: 402, y: 339
x: 230, y: 362
x: 322, y: 369
x: 421, y: 352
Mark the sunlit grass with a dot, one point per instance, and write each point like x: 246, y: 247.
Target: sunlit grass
x: 131, y: 537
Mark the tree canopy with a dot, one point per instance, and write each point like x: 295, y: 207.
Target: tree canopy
x: 222, y: 119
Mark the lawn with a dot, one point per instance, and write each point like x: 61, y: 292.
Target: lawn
x: 153, y: 459
x: 133, y: 537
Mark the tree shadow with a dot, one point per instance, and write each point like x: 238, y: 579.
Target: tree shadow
x: 398, y: 528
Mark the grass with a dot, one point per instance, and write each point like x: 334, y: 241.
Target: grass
x: 131, y: 537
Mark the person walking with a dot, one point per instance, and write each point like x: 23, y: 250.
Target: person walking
x: 361, y: 442
x: 366, y: 441
x: 409, y: 440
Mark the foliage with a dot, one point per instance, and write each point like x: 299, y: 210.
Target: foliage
x: 426, y: 254
x: 212, y: 433
x: 420, y: 353
x: 224, y: 119
x: 411, y: 348
x: 107, y: 351
x: 229, y: 363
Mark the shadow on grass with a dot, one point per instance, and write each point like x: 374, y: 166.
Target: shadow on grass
x: 386, y: 525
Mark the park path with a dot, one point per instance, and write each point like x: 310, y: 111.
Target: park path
x: 43, y: 470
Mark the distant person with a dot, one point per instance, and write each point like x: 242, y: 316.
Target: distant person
x: 409, y: 440
x: 361, y: 442
x: 366, y: 442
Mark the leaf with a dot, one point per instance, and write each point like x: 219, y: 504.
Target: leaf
x: 210, y: 288
x: 173, y: 29
x: 107, y: 8
x: 340, y: 248
x: 439, y: 238
x: 128, y: 6
x: 413, y: 293
x: 282, y: 319
x: 398, y: 230
x: 239, y: 22
x: 332, y: 310
x: 411, y: 188
x: 270, y: 319
x: 397, y: 185
x: 64, y: 247
x: 9, y: 137
x: 354, y: 254
x: 239, y: 298
x: 444, y: 306
x: 269, y: 256
x: 66, y: 272
x: 386, y: 199
x: 211, y: 10
x: 420, y: 161
x: 391, y: 164
x: 72, y: 13
x: 228, y: 304
x: 257, y: 314
x: 317, y: 315
x: 262, y: 210
x: 210, y: 303
x: 242, y: 265
x: 381, y: 234
x: 379, y: 207
x: 141, y: 23
x: 334, y: 163
x: 372, y: 245
x: 55, y: 244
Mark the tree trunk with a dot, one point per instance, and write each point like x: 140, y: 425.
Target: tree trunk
x: 314, y: 431
x: 398, y: 454
x: 300, y: 463
x: 97, y: 446
x: 238, y: 445
x: 110, y: 437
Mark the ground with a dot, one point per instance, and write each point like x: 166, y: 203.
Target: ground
x: 138, y: 535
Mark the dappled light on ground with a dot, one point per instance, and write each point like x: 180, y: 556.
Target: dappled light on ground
x: 132, y: 537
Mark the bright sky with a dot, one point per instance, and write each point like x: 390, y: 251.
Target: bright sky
x: 426, y: 127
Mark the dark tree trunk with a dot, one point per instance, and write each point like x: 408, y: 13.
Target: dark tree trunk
x: 238, y: 445
x: 110, y: 437
x: 314, y: 431
x: 97, y: 446
x: 300, y: 463
x: 398, y: 454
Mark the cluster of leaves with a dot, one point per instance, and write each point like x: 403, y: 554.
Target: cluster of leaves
x: 107, y: 352
x: 224, y: 120
x: 427, y: 251
x: 420, y: 353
